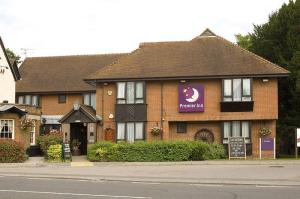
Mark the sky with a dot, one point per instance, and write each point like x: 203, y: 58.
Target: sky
x: 72, y: 27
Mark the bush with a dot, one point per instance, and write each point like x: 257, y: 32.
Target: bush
x: 154, y: 151
x: 54, y: 152
x: 45, y: 141
x: 11, y: 152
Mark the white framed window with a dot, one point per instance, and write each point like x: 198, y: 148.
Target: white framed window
x: 130, y: 131
x: 236, y: 129
x: 89, y: 99
x: 32, y: 100
x: 32, y: 133
x: 130, y: 92
x: 238, y: 89
x: 7, y: 129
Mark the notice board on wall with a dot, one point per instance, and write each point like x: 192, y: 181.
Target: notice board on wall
x: 237, y: 147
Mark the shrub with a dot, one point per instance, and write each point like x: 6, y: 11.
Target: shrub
x: 11, y: 152
x: 154, y: 151
x: 54, y: 152
x: 45, y: 141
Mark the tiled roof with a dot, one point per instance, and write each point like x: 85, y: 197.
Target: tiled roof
x: 206, y: 56
x: 61, y: 73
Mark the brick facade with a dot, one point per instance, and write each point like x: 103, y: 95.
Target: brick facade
x: 50, y: 106
x: 162, y: 110
x: 20, y: 135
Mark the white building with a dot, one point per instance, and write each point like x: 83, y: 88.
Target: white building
x: 9, y: 74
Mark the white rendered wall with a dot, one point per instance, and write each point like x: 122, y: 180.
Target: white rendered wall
x: 7, y: 81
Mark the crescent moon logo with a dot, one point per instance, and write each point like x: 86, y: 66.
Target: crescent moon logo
x: 194, y: 97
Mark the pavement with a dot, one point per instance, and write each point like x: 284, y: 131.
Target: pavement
x: 233, y: 172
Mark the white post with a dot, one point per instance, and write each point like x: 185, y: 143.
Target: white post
x: 260, y: 148
x: 274, y: 148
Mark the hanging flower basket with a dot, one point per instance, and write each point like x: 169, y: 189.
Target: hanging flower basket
x: 155, y: 131
x: 26, y: 124
x: 264, y: 131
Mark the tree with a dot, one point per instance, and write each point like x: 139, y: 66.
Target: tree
x: 243, y: 41
x: 13, y: 56
x: 278, y: 41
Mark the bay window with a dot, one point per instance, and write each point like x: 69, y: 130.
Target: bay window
x: 236, y: 129
x: 237, y: 89
x: 130, y: 131
x: 7, y: 129
x: 130, y: 93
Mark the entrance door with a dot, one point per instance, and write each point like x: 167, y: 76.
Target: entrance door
x: 79, y: 132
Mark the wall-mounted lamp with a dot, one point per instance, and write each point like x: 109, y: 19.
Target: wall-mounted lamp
x: 182, y: 81
x: 265, y: 80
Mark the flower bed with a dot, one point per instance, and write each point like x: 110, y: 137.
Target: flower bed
x: 154, y: 151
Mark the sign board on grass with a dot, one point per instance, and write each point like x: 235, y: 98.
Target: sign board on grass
x: 267, y: 144
x: 237, y: 147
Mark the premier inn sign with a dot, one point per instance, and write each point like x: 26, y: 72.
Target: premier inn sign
x: 191, y: 98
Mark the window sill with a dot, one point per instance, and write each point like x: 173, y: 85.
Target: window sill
x: 242, y: 106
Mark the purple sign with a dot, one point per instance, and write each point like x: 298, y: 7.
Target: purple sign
x: 267, y: 144
x: 191, y: 98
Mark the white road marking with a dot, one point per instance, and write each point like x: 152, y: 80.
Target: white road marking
x: 271, y: 186
x: 145, y: 183
x: 39, y: 178
x: 208, y: 185
x: 76, y: 194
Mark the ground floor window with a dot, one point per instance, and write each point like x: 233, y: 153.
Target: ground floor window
x: 130, y: 131
x: 32, y: 134
x: 7, y: 128
x: 236, y: 129
x: 181, y: 127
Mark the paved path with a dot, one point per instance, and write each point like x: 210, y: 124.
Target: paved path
x: 269, y: 173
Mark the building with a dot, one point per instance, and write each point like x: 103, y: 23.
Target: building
x: 205, y: 89
x: 13, y: 116
x: 55, y: 84
x: 9, y: 74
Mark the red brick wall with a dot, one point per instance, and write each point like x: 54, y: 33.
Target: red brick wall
x: 50, y: 105
x: 164, y: 113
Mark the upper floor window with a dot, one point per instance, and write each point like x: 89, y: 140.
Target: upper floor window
x: 130, y: 93
x: 62, y: 98
x: 29, y: 100
x: 89, y: 99
x: 236, y: 129
x: 6, y: 129
x: 237, y: 90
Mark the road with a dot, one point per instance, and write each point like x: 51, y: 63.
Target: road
x: 46, y: 188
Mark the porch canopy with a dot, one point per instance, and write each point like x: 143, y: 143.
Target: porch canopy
x: 9, y: 108
x: 81, y: 114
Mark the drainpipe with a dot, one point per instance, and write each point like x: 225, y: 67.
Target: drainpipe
x: 102, y: 101
x: 161, y: 108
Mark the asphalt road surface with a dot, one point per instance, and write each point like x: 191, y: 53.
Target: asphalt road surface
x: 45, y: 188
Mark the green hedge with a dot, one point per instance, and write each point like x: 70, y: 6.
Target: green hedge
x: 45, y: 141
x: 154, y: 151
x: 11, y: 152
x: 54, y: 152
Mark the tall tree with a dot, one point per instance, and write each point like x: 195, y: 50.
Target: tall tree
x: 243, y: 41
x: 278, y: 41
